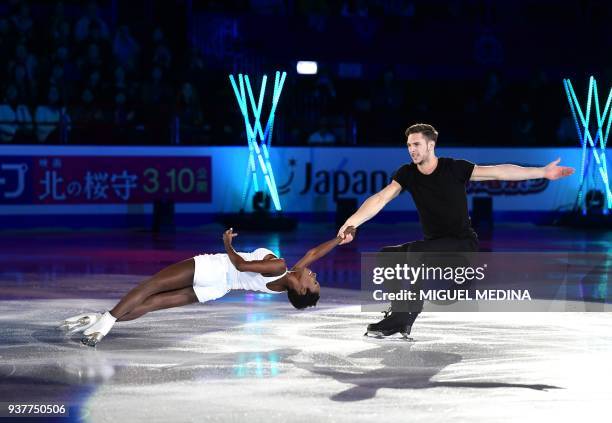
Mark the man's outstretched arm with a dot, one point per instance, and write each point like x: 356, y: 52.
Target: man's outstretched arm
x: 509, y: 172
x: 370, y: 208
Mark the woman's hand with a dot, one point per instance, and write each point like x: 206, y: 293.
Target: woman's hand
x: 236, y: 260
x: 228, y: 236
x: 345, y: 234
x: 349, y: 233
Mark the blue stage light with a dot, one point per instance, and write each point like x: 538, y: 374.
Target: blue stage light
x: 258, y: 149
x: 584, y: 134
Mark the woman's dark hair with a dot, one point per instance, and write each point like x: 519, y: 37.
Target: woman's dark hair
x: 302, y: 301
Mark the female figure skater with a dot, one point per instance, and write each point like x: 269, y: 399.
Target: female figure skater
x: 207, y: 277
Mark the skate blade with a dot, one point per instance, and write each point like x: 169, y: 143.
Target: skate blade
x: 71, y: 326
x: 92, y: 340
x: 405, y: 336
x: 373, y: 334
x: 381, y: 335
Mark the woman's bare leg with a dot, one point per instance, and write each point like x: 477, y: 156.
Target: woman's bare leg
x: 174, y: 277
x: 168, y: 299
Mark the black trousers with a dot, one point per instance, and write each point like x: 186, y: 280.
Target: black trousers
x: 438, y: 245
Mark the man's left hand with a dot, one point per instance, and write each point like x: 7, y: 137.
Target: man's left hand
x: 552, y: 171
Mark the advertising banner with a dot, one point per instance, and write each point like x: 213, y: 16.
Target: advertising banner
x: 52, y: 179
x: 74, y: 179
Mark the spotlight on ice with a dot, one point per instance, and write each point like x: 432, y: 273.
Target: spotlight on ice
x: 306, y: 67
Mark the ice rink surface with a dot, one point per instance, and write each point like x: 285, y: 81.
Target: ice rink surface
x: 253, y: 358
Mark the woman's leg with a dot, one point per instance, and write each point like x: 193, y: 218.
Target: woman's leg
x: 174, y: 277
x: 168, y: 299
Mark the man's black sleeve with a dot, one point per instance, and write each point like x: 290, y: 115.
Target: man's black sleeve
x: 463, y: 170
x: 402, y: 177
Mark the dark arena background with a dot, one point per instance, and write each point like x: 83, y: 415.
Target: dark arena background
x: 133, y: 134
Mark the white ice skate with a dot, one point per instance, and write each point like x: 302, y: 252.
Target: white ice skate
x: 79, y: 322
x: 94, y: 334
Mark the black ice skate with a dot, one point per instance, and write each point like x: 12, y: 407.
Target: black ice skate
x: 392, y: 323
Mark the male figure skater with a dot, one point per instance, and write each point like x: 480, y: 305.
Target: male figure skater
x: 437, y: 186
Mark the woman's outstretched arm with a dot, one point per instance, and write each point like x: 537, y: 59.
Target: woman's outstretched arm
x: 272, y: 267
x: 320, y: 250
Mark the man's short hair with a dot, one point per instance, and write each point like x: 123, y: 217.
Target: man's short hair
x: 302, y: 301
x: 428, y: 131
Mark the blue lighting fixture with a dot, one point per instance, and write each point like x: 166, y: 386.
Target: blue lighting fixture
x: 596, y: 145
x: 258, y: 138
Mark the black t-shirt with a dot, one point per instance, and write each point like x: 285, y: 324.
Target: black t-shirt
x: 440, y: 197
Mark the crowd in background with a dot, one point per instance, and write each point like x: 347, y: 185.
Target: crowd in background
x: 85, y: 78
x: 101, y: 84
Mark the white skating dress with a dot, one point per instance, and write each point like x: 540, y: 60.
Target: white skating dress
x: 215, y: 275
